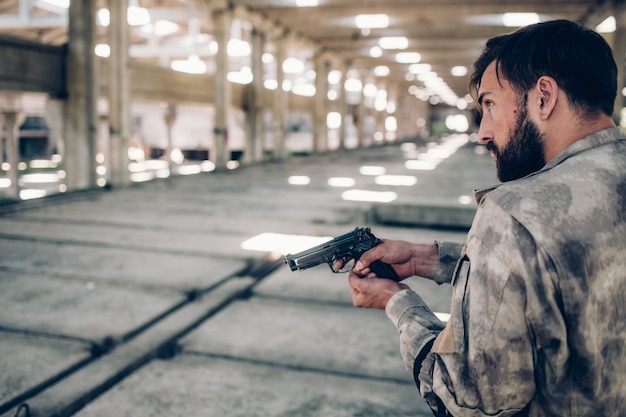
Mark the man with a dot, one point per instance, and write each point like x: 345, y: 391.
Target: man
x: 538, y: 317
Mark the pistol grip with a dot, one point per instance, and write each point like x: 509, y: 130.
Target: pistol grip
x: 384, y: 270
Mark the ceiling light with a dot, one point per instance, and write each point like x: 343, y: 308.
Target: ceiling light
x: 244, y: 76
x: 393, y: 42
x: 102, y: 50
x: 334, y: 77
x: 307, y: 3
x: 371, y: 21
x: 293, y: 65
x: 459, y: 71
x: 64, y: 4
x: 419, y: 68
x: 408, y: 57
x: 103, y: 17
x: 138, y: 16
x: 353, y: 85
x: 519, y: 19
x: 381, y: 71
x: 191, y: 65
x: 270, y: 84
x: 376, y: 52
x: 238, y: 48
x: 369, y: 90
x: 607, y: 26
x: 306, y: 90
x: 161, y: 28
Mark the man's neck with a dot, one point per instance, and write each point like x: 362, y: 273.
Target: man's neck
x: 562, y: 135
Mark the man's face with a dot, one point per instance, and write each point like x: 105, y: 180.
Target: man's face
x: 506, y: 130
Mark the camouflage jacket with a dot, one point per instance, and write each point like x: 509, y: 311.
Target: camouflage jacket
x: 538, y: 316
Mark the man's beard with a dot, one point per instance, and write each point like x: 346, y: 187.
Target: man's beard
x: 523, y: 154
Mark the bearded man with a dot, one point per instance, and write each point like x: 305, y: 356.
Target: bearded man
x: 537, y: 324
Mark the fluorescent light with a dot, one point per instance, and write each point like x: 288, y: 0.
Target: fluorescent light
x: 459, y: 71
x: 408, y: 57
x: 371, y: 21
x: 307, y: 3
x: 369, y: 90
x: 608, y: 25
x: 103, y: 17
x: 243, y: 76
x: 293, y: 65
x: 353, y: 85
x: 64, y: 4
x: 238, y: 48
x: 519, y: 19
x: 333, y: 120
x: 191, y: 65
x: 270, y: 84
x: 102, y: 50
x: 419, y: 68
x: 393, y: 42
x: 138, y: 16
x: 381, y: 71
x: 334, y: 77
x: 376, y: 52
x: 306, y: 90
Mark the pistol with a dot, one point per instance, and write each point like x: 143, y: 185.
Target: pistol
x: 348, y: 248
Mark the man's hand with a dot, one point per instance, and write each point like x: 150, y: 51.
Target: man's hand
x: 408, y: 259
x: 372, y: 292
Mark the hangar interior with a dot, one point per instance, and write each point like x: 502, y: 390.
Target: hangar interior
x: 104, y: 93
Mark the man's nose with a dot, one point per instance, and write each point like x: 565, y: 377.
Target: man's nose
x: 485, y: 135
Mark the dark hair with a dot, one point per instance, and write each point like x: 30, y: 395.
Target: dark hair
x: 578, y: 58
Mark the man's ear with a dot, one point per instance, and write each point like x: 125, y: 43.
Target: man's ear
x: 547, y: 96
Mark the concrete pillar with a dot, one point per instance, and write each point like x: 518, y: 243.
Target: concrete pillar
x: 280, y: 101
x: 170, y: 118
x: 320, y: 101
x: 10, y: 109
x: 359, y: 115
x: 343, y: 106
x: 223, y: 95
x: 119, y: 94
x: 255, y: 131
x: 54, y: 120
x: 81, y: 104
x: 619, y: 48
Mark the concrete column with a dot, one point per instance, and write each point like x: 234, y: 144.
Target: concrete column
x: 223, y: 94
x: 54, y: 121
x: 619, y: 48
x: 359, y: 115
x: 255, y: 131
x: 343, y: 106
x: 280, y: 101
x: 11, y: 113
x: 170, y: 118
x: 119, y: 94
x: 320, y: 101
x: 81, y: 104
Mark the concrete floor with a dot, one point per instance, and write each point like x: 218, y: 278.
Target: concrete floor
x: 142, y: 301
